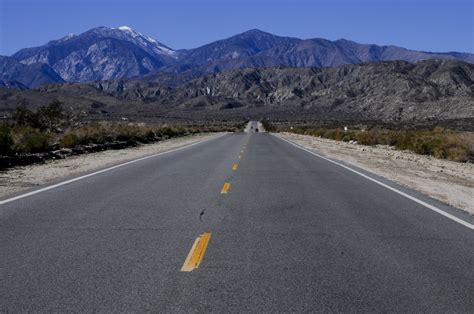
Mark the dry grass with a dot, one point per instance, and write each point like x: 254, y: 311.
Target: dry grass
x: 50, y: 128
x: 440, y: 143
x: 25, y: 139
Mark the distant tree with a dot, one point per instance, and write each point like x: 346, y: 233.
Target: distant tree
x: 47, y: 118
x: 24, y: 116
x: 6, y: 141
x: 51, y: 116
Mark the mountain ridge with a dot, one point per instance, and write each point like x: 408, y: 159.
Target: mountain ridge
x: 104, y: 53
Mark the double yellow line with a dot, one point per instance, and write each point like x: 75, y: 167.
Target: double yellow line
x: 196, y: 254
x: 235, y: 166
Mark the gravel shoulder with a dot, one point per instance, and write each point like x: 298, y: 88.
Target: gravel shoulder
x: 21, y: 179
x: 447, y: 181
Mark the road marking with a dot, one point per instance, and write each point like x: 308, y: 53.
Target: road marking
x: 8, y: 200
x: 225, y: 188
x: 196, y: 254
x: 240, y: 156
x: 242, y: 151
x: 429, y: 206
x: 235, y: 166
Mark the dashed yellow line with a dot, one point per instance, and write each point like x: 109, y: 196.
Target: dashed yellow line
x: 225, y: 188
x: 240, y: 156
x: 195, y: 256
x: 235, y: 166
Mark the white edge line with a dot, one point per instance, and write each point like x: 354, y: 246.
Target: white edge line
x: 433, y: 208
x: 8, y: 200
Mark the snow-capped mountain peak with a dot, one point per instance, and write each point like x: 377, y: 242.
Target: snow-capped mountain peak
x: 125, y: 28
x: 67, y: 37
x: 147, y: 42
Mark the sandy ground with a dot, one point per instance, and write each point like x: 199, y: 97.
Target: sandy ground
x: 448, y: 181
x: 21, y: 179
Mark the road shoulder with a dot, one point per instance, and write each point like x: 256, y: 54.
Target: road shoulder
x: 27, y: 178
x: 447, y: 181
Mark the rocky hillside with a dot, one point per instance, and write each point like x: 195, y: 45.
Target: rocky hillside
x: 14, y: 74
x: 393, y: 92
x: 388, y: 91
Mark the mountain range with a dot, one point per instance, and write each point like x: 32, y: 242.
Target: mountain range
x: 429, y: 92
x: 104, y: 53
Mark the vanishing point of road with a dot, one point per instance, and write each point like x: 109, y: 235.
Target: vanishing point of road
x: 242, y: 222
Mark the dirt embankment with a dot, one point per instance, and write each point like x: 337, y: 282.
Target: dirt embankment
x: 448, y: 181
x: 25, y: 178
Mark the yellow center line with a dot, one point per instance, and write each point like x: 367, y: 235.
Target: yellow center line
x: 240, y: 156
x: 235, y: 166
x: 225, y: 188
x: 195, y: 256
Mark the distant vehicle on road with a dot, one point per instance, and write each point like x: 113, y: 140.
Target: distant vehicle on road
x: 256, y: 130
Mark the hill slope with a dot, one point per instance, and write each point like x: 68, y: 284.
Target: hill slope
x: 393, y: 92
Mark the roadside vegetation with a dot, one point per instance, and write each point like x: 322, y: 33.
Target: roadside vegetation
x: 50, y: 132
x: 438, y: 142
x: 268, y: 126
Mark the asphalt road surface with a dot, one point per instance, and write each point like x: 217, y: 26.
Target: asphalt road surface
x: 281, y: 230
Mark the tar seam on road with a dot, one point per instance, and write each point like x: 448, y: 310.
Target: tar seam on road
x: 225, y: 188
x: 8, y: 200
x: 196, y: 254
x: 429, y: 206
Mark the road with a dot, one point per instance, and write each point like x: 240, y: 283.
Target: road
x: 281, y: 230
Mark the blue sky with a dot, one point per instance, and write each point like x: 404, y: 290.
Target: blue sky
x: 436, y: 25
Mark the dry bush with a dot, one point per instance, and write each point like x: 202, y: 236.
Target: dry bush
x: 440, y: 143
x: 28, y: 140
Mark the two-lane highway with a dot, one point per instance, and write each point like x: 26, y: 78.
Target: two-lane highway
x: 244, y: 222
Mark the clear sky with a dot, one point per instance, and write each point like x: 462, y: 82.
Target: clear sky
x: 436, y: 25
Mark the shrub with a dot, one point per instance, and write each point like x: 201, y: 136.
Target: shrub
x: 6, y: 140
x: 29, y: 140
x: 367, y: 138
x: 334, y: 134
x: 438, y: 142
x: 268, y: 126
x: 24, y: 116
x: 50, y: 117
x: 69, y: 140
x: 404, y: 140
